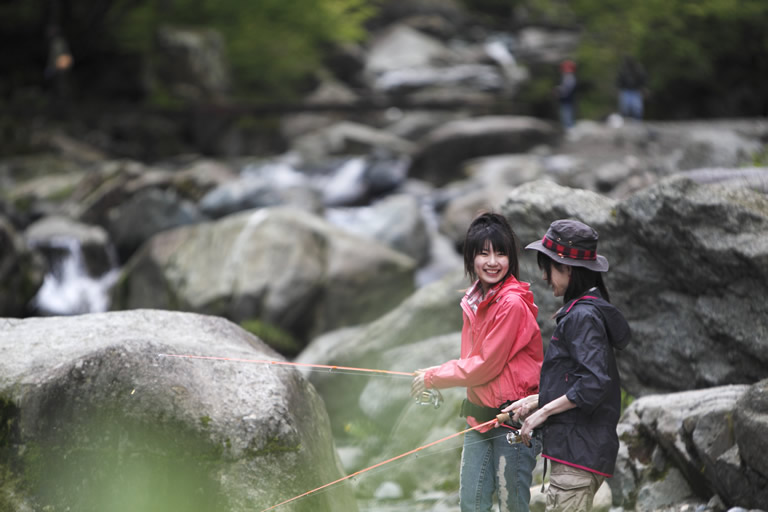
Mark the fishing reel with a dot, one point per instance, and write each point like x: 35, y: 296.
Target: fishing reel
x: 514, y: 437
x: 513, y: 434
x: 431, y: 397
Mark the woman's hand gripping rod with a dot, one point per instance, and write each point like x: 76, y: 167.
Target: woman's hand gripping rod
x: 514, y: 435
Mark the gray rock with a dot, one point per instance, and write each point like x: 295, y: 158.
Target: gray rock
x: 414, y: 124
x: 442, y: 152
x: 248, y: 193
x: 755, y: 178
x: 401, y: 47
x: 396, y: 221
x: 511, y: 170
x: 459, y: 211
x: 280, y: 265
x: 191, y: 64
x: 672, y: 490
x: 430, y: 312
x: 546, y: 45
x: 750, y: 420
x: 530, y: 209
x: 473, y: 76
x: 102, y: 418
x: 347, y: 138
x: 147, y: 213
x: 43, y: 195
x: 715, y: 146
x: 702, y: 251
x: 697, y: 434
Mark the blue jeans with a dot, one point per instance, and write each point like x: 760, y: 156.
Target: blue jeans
x: 566, y: 114
x: 631, y: 103
x: 489, y: 463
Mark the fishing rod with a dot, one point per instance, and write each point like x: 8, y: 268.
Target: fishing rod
x: 330, y: 368
x: 428, y: 397
x: 379, y: 464
x: 431, y: 397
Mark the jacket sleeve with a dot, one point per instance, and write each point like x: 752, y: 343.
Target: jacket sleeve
x: 488, y: 356
x: 590, y: 350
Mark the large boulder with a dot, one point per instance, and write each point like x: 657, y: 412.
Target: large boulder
x: 401, y: 47
x: 692, y: 445
x: 691, y: 277
x: 755, y: 178
x: 688, y: 267
x: 37, y: 184
x: 146, y: 213
x: 97, y: 415
x: 133, y: 201
x: 191, y: 64
x: 620, y: 158
x: 750, y: 421
x: 459, y: 212
x: 347, y: 138
x: 396, y: 221
x: 279, y: 265
x: 443, y: 151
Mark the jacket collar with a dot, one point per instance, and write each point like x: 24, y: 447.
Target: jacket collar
x: 591, y: 294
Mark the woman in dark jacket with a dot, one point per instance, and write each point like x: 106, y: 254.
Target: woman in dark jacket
x: 579, y: 396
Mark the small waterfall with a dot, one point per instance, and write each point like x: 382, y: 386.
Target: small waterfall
x: 68, y: 288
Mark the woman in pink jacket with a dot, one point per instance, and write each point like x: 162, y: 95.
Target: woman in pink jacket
x: 501, y: 355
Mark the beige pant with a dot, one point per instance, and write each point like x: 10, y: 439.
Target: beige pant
x: 571, y: 489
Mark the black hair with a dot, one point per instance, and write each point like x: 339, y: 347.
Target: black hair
x: 582, y: 279
x: 493, y: 228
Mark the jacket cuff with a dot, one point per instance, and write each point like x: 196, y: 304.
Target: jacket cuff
x: 573, y: 396
x: 428, y: 375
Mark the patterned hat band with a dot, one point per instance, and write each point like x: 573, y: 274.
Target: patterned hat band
x: 568, y: 252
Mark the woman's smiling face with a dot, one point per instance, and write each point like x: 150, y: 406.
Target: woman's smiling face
x: 491, y: 266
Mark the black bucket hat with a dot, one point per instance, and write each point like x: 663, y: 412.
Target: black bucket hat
x: 570, y: 242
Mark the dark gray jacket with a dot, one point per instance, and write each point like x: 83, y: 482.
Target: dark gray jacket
x: 580, y: 364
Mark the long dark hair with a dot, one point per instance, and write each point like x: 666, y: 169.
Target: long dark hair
x: 582, y: 279
x: 493, y: 228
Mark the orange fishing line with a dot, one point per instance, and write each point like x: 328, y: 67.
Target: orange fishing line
x: 379, y: 464
x: 287, y: 363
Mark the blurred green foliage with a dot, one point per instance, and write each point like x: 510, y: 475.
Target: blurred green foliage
x: 626, y: 400
x: 107, y: 461
x: 704, y: 58
x: 273, y: 336
x: 272, y: 45
x: 760, y: 158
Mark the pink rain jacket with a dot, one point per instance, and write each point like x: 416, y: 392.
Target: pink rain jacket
x: 501, y: 348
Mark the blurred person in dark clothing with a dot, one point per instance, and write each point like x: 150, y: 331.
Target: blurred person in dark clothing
x: 60, y: 62
x: 631, y: 84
